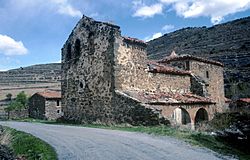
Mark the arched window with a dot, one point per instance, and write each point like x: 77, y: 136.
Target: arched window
x: 77, y: 48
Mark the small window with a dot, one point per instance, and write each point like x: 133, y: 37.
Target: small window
x: 68, y: 56
x: 91, y: 34
x: 81, y: 85
x: 207, y: 74
x: 77, y: 48
x: 187, y: 65
x: 57, y: 103
x: 58, y: 111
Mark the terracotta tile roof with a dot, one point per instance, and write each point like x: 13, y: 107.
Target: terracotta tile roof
x: 155, y: 67
x: 50, y: 94
x: 169, y: 98
x: 247, y: 100
x: 134, y: 40
x: 188, y: 57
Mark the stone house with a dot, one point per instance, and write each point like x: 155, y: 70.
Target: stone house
x: 45, y: 105
x: 107, y: 78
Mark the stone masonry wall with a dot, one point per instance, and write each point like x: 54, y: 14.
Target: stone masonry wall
x: 131, y: 72
x: 168, y: 110
x: 129, y: 110
x: 18, y: 114
x: 213, y: 76
x: 87, y: 72
x: 36, y: 107
x: 52, y: 111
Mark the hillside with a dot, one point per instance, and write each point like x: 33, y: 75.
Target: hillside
x: 228, y: 43
x: 30, y: 79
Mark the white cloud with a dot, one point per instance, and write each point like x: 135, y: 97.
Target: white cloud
x: 142, y: 10
x: 69, y: 10
x: 154, y: 36
x: 168, y: 28
x: 34, y: 7
x: 65, y: 8
x: 165, y: 29
x: 215, y: 9
x: 10, y: 47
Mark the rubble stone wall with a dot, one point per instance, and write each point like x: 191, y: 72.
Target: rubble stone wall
x: 213, y: 77
x: 131, y: 72
x: 18, y: 114
x: 167, y: 111
x: 87, y: 72
x: 37, y: 107
x: 52, y: 111
x: 129, y: 110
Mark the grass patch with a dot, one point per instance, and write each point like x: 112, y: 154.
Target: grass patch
x: 196, y: 138
x: 30, y: 147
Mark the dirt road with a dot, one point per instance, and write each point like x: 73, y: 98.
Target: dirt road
x: 79, y: 143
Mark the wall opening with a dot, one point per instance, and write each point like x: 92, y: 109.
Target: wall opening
x: 91, y: 44
x: 57, y: 103
x: 77, y: 48
x: 68, y: 55
x: 207, y: 74
x: 181, y: 116
x: 81, y: 85
x: 187, y: 65
x: 201, y: 115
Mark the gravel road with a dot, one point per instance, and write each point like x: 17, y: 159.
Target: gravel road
x: 80, y: 143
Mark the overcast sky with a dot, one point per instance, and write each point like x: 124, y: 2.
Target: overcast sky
x: 34, y: 31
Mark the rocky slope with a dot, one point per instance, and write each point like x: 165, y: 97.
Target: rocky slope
x: 228, y: 43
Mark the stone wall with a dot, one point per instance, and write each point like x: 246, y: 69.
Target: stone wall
x: 87, y: 72
x: 37, y: 107
x: 42, y: 108
x: 228, y: 43
x: 129, y: 110
x: 131, y: 72
x: 18, y: 114
x: 214, y: 81
x: 52, y: 110
x: 168, y: 111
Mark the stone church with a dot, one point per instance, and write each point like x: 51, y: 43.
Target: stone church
x: 108, y: 79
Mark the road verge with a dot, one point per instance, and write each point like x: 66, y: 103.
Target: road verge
x: 25, y: 146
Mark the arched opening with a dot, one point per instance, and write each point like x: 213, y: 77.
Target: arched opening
x: 181, y: 116
x: 201, y: 115
x: 77, y: 48
x: 68, y: 55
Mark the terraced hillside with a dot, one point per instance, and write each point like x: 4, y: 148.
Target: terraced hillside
x: 30, y: 79
x: 228, y: 43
